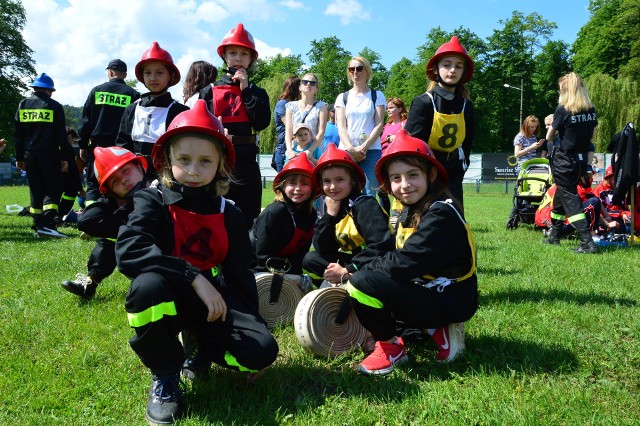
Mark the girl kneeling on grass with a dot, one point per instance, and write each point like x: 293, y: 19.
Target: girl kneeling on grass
x: 429, y: 280
x: 354, y: 229
x: 188, y: 252
x: 284, y: 230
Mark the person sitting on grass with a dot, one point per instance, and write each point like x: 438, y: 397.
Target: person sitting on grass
x: 429, y: 281
x: 120, y: 174
x: 284, y: 229
x: 188, y: 253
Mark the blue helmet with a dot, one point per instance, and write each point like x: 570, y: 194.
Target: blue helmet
x: 43, y: 81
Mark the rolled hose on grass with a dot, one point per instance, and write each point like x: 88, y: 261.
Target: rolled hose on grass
x: 326, y: 325
x: 278, y: 308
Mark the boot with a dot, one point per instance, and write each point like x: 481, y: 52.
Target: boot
x: 83, y: 286
x: 554, y: 237
x: 587, y: 245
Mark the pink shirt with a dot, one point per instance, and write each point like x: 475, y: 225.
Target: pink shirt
x: 390, y: 129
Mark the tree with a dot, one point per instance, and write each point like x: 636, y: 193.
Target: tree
x: 277, y: 65
x: 549, y: 65
x: 380, y: 74
x: 604, y: 44
x: 400, y: 84
x: 16, y: 64
x: 329, y: 62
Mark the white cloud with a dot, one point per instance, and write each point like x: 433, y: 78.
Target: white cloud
x: 74, y: 40
x: 347, y: 10
x: 293, y: 5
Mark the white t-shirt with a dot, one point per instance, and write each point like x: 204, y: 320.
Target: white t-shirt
x: 359, y: 114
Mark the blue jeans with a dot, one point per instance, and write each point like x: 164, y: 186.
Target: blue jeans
x: 368, y: 166
x: 280, y: 157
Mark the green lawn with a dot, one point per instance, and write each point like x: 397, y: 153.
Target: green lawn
x: 556, y: 341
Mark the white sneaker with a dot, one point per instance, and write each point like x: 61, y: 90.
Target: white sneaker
x: 48, y: 232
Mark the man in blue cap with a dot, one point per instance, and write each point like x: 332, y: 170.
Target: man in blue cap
x: 41, y: 145
x: 101, y: 117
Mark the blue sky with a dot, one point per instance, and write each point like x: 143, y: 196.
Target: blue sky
x: 74, y: 40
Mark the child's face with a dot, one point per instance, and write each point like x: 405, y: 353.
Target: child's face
x: 451, y: 68
x: 303, y: 137
x: 156, y: 76
x: 237, y: 57
x: 125, y: 179
x: 336, y: 183
x: 408, y: 183
x: 298, y: 188
x: 194, y: 161
x: 393, y: 111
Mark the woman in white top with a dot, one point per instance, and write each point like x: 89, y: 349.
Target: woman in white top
x: 360, y: 122
x: 308, y: 110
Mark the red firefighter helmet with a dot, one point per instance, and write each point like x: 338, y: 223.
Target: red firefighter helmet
x: 404, y: 144
x: 452, y: 47
x: 157, y: 54
x: 238, y: 36
x: 197, y: 120
x: 333, y: 156
x: 109, y: 160
x: 299, y: 165
x: 608, y: 172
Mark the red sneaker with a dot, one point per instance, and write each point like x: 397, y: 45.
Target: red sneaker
x: 383, y: 358
x: 450, y: 341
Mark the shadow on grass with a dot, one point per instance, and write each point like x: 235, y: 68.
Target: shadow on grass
x: 522, y: 296
x: 487, y: 355
x: 286, y: 391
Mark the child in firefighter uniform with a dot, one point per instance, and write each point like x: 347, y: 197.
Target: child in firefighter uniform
x: 575, y: 120
x: 120, y: 174
x: 444, y: 116
x: 354, y: 229
x: 42, y: 150
x: 144, y: 120
x: 188, y: 252
x: 429, y: 281
x: 244, y: 110
x: 283, y: 231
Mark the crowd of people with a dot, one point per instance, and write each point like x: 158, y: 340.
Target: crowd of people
x: 174, y: 201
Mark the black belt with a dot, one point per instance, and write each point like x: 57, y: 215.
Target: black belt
x: 243, y: 140
x: 448, y: 156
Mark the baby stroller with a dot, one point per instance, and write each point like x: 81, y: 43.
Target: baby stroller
x: 533, y: 182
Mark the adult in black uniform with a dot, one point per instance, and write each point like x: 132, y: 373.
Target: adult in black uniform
x: 244, y: 110
x: 41, y: 145
x: 101, y: 117
x: 575, y: 121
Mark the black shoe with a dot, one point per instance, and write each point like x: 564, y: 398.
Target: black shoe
x: 49, y: 232
x: 551, y: 240
x: 165, y: 399
x: 194, y: 368
x: 82, y: 286
x: 587, y: 247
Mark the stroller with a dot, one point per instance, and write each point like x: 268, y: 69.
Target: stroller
x: 533, y: 182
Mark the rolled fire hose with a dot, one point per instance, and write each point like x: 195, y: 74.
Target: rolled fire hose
x: 278, y: 308
x: 326, y: 325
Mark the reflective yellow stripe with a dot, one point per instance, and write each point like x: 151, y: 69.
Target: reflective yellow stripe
x: 312, y: 275
x: 152, y: 314
x: 363, y: 298
x: 557, y: 216
x: 233, y: 362
x: 68, y: 197
x: 35, y: 211
x: 577, y: 217
x: 113, y: 99
x: 50, y: 207
x: 215, y: 271
x: 36, y: 116
x: 88, y: 203
x: 112, y: 239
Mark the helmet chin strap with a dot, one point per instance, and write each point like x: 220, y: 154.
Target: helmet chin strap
x: 442, y: 82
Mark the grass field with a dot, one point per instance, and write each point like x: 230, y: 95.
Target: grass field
x: 556, y: 341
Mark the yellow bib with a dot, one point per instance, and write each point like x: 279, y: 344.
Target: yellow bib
x: 402, y: 234
x: 448, y: 130
x: 347, y: 234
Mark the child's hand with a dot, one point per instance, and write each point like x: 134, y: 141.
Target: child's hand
x: 333, y: 206
x: 290, y: 153
x: 211, y: 298
x: 241, y: 77
x: 334, y: 273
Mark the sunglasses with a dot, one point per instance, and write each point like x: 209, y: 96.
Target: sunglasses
x: 359, y: 68
x: 309, y: 82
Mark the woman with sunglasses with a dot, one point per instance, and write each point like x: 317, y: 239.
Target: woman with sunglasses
x: 307, y: 110
x: 360, y: 119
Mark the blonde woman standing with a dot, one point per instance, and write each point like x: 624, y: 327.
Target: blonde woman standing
x: 360, y: 120
x: 308, y: 110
